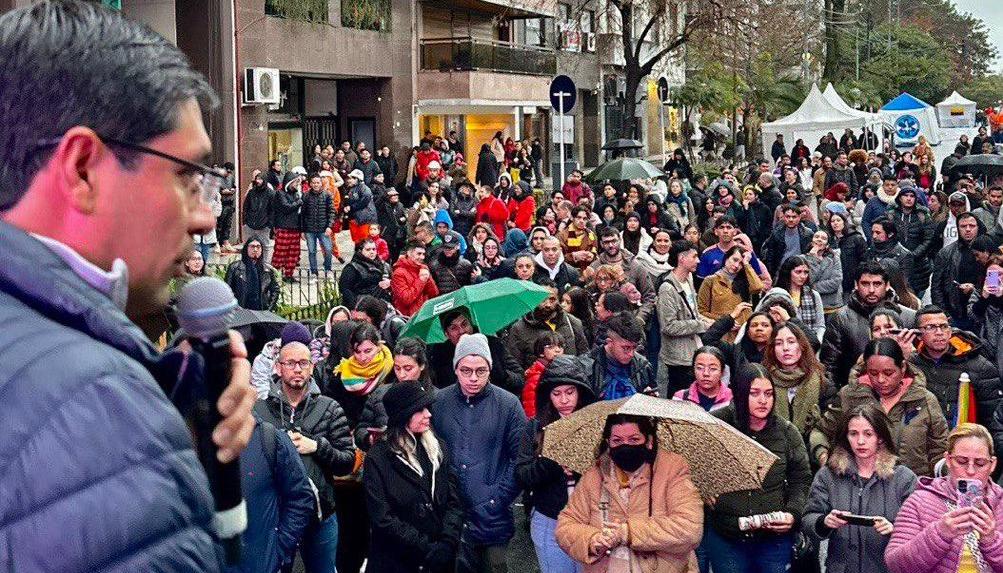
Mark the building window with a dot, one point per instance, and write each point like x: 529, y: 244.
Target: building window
x: 304, y: 10
x: 366, y: 14
x: 564, y: 13
x: 535, y: 35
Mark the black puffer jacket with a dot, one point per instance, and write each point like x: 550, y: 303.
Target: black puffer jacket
x: 393, y: 220
x: 286, y: 210
x: 238, y: 277
x: 756, y: 221
x: 852, y: 247
x: 410, y: 513
x: 774, y: 247
x: 963, y: 355
x: 849, y: 331
x: 915, y: 232
x: 258, y: 207
x: 362, y: 276
x: 463, y: 211
x: 450, y: 274
x: 360, y: 199
x: 543, y: 480
x: 944, y: 291
x: 319, y: 418
x: 318, y: 212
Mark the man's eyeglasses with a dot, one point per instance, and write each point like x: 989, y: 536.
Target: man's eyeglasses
x: 208, y: 179
x: 293, y: 364
x: 470, y: 372
x: 935, y: 327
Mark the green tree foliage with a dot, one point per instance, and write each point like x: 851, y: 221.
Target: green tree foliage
x: 985, y: 91
x: 916, y: 63
x: 768, y: 94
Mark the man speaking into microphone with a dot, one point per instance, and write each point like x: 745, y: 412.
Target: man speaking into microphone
x: 102, y: 179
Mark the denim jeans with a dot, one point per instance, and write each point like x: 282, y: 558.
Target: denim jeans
x: 771, y: 554
x: 319, y: 547
x: 311, y: 248
x: 552, y: 558
x: 205, y: 249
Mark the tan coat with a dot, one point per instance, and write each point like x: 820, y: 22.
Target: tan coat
x: 664, y: 542
x: 716, y: 299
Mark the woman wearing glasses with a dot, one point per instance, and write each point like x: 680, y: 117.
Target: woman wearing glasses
x: 953, y: 524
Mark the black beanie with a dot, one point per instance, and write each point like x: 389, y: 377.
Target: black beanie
x: 404, y: 399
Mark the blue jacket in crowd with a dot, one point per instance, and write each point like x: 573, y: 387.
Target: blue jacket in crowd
x: 280, y: 502
x: 97, y: 467
x: 482, y: 434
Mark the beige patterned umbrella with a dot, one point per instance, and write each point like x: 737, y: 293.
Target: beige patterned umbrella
x: 721, y: 458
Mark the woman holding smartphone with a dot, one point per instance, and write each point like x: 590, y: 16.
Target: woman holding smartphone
x: 942, y: 530
x: 985, y: 307
x: 862, y: 478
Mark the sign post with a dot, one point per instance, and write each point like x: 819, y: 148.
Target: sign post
x: 562, y: 97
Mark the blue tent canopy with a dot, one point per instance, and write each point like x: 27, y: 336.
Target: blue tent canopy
x: 905, y: 102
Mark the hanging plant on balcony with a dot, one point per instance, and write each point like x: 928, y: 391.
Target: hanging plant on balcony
x: 303, y: 10
x: 366, y: 14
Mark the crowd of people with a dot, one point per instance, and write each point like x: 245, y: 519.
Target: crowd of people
x: 785, y: 299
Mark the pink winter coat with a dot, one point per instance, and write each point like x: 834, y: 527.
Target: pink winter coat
x: 917, y: 545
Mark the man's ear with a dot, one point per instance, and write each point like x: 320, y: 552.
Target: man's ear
x: 75, y: 160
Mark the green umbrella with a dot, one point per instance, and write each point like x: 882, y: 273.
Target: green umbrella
x: 625, y: 169
x: 491, y: 307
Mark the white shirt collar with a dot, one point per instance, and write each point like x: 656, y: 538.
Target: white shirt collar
x: 114, y: 284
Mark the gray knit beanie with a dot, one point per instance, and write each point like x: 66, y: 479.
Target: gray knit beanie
x: 472, y: 345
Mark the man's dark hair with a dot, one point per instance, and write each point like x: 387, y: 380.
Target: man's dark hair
x: 373, y: 307
x: 413, y: 244
x: 968, y: 215
x: 577, y: 210
x: 928, y: 310
x: 792, y: 206
x: 886, y: 225
x: 984, y: 244
x: 548, y: 338
x: 726, y: 220
x: 679, y: 247
x: 91, y: 67
x: 615, y: 302
x: 872, y: 268
x: 547, y: 282
x: 626, y: 326
x: 608, y: 231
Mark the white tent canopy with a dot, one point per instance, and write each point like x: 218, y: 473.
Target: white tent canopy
x: 817, y: 116
x: 839, y: 103
x: 956, y: 111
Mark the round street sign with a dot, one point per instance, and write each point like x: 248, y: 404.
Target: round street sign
x: 565, y: 85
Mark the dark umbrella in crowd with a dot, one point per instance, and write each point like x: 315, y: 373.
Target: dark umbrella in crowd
x: 624, y: 169
x: 987, y: 165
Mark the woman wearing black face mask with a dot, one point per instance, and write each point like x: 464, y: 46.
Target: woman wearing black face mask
x: 732, y: 541
x: 636, y: 509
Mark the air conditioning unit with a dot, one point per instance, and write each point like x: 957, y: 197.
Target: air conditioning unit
x: 590, y: 41
x: 261, y: 86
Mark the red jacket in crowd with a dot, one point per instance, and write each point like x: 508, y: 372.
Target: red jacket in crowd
x: 522, y: 212
x: 410, y: 292
x: 492, y: 210
x: 421, y: 163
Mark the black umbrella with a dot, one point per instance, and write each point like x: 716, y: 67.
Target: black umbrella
x: 987, y: 165
x: 257, y: 327
x: 624, y: 169
x: 622, y: 144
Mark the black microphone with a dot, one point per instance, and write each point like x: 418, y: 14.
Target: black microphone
x: 204, y: 308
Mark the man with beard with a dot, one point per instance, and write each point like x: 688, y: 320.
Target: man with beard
x: 988, y: 214
x: 550, y: 264
x: 548, y: 316
x: 319, y: 429
x: 883, y: 200
x: 888, y: 250
x: 463, y: 208
x: 842, y: 173
x: 769, y: 191
x: 613, y: 253
x: 849, y: 328
x: 275, y: 174
x: 449, y: 270
x: 956, y: 271
x: 258, y: 212
x: 255, y: 283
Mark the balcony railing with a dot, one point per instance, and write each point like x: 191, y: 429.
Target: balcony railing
x: 470, y: 54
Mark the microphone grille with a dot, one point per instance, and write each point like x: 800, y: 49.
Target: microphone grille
x: 205, y: 306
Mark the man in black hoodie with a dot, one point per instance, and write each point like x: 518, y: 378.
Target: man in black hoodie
x: 258, y: 209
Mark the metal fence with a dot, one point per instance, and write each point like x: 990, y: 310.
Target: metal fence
x: 307, y: 297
